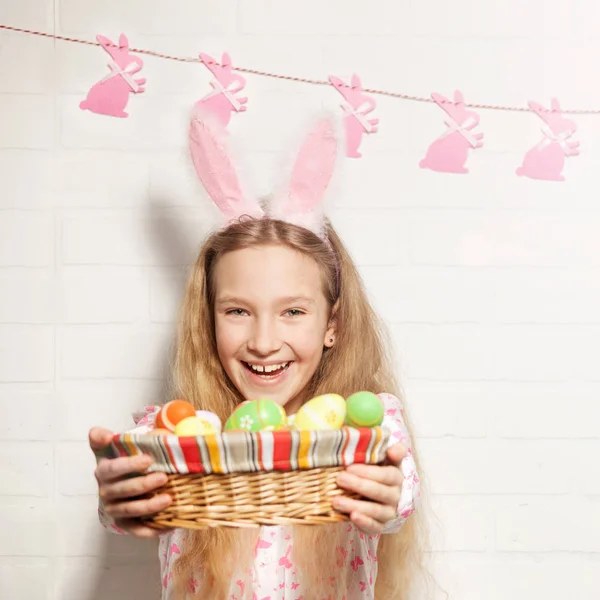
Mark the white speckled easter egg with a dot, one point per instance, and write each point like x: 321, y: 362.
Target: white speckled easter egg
x: 323, y: 412
x: 209, y: 417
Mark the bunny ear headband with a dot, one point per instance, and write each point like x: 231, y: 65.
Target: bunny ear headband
x: 300, y: 201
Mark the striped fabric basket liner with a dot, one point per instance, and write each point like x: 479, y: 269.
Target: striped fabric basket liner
x: 242, y: 479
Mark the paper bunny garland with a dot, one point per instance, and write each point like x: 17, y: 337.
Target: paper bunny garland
x: 547, y: 159
x: 449, y: 153
x: 111, y: 94
x: 316, y: 160
x: 222, y: 100
x: 299, y: 202
x: 356, y: 108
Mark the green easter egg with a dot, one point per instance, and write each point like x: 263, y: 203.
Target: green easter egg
x: 256, y: 415
x: 364, y: 409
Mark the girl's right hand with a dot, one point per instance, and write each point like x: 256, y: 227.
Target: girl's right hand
x: 123, y: 496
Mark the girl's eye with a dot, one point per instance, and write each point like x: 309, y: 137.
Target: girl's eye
x: 294, y: 312
x: 238, y: 312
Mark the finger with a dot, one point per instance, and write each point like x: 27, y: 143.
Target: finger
x: 99, y: 438
x: 373, y: 490
x: 366, y: 524
x: 396, y: 453
x: 137, y: 528
x: 116, y: 468
x: 387, y: 475
x: 138, y: 508
x: 129, y: 488
x: 373, y: 510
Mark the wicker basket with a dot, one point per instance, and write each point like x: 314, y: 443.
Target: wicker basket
x: 241, y: 479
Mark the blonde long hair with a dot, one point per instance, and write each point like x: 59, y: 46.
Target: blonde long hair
x: 359, y: 360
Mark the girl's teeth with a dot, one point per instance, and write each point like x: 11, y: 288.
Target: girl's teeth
x: 267, y: 368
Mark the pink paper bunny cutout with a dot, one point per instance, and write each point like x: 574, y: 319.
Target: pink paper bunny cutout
x: 110, y: 95
x: 222, y: 101
x: 356, y: 107
x: 547, y: 158
x: 449, y: 153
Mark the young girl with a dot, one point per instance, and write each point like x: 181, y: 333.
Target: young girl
x: 275, y: 308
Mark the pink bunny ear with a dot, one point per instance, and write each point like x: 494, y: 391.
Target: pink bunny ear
x: 104, y: 41
x: 123, y: 41
x: 301, y: 202
x: 535, y: 105
x: 336, y: 81
x: 215, y: 168
x: 206, y: 58
x: 439, y: 99
x: 555, y: 105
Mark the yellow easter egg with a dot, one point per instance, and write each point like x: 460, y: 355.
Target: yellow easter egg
x: 323, y: 412
x: 192, y: 426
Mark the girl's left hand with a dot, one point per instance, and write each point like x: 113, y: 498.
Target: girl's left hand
x: 382, y: 484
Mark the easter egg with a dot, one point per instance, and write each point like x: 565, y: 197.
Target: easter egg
x: 256, y: 415
x: 210, y: 418
x: 159, y: 431
x: 283, y: 427
x: 173, y: 412
x: 206, y: 425
x: 364, y: 409
x: 323, y: 412
x: 192, y: 426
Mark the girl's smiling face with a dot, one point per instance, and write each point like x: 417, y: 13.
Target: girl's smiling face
x: 272, y: 321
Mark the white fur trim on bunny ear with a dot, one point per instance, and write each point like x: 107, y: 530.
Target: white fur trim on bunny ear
x: 301, y: 199
x: 214, y: 165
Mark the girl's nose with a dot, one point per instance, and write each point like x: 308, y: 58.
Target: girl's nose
x: 264, y: 339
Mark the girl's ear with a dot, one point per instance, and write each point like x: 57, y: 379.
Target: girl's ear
x: 331, y: 332
x: 329, y: 338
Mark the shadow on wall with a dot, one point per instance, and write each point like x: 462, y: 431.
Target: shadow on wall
x: 129, y: 567
x: 176, y: 233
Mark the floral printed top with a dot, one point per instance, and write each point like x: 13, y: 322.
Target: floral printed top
x: 274, y: 576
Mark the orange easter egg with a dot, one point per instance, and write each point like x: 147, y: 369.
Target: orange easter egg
x: 173, y: 412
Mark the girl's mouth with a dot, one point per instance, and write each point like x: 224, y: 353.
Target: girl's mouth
x: 267, y: 372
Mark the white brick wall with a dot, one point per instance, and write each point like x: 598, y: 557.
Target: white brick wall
x: 488, y: 281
